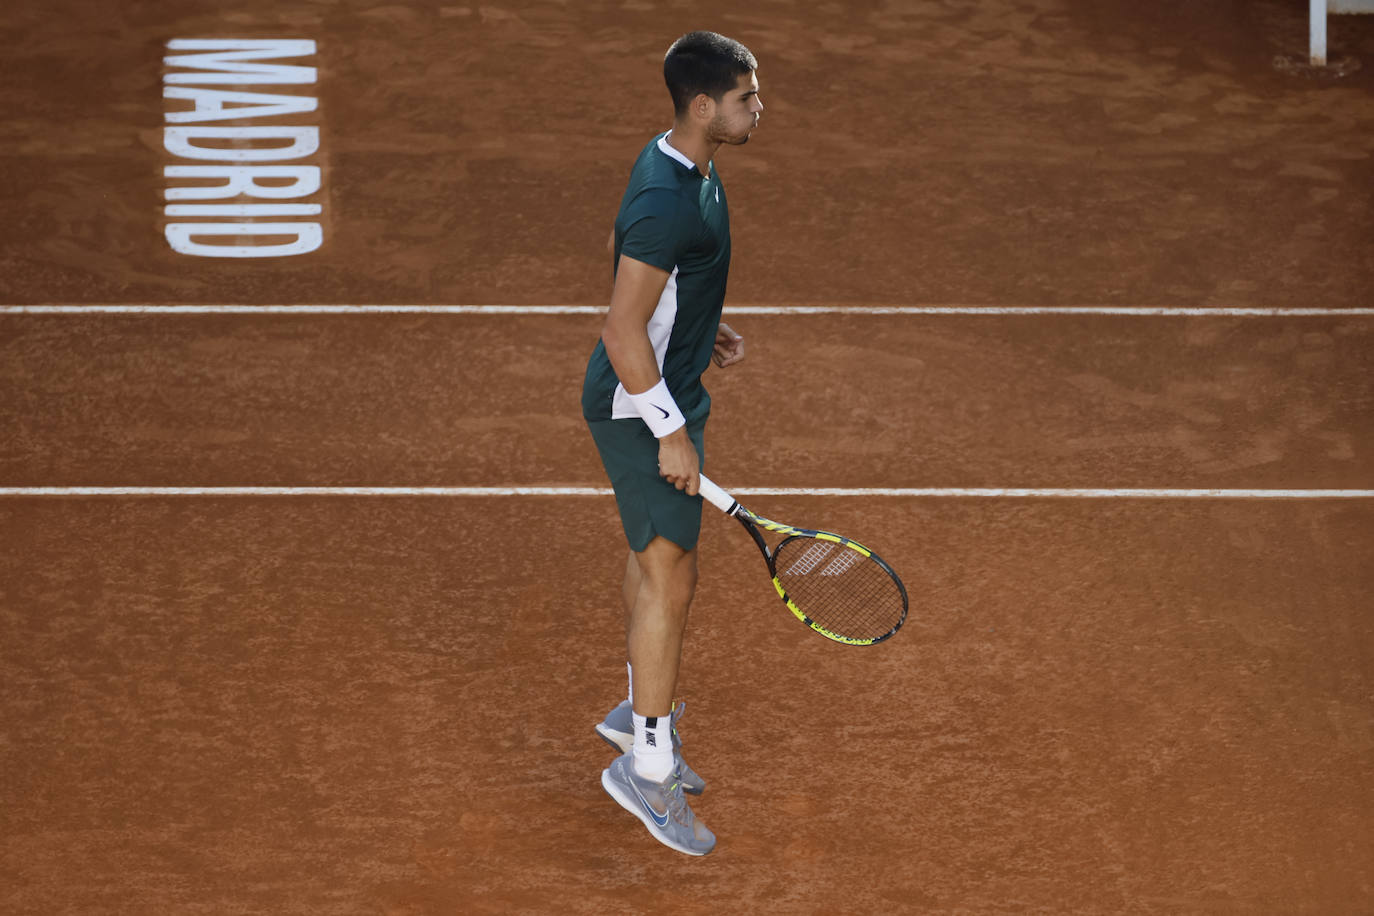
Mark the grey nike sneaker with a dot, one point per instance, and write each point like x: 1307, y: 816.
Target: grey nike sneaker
x: 661, y: 806
x: 618, y: 730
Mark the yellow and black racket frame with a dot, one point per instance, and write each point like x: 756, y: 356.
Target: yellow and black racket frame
x: 752, y: 523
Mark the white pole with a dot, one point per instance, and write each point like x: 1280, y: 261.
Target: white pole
x: 1317, y: 31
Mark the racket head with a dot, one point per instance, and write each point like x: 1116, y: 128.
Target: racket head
x: 833, y: 584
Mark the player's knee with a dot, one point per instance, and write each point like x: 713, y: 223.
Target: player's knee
x: 670, y: 571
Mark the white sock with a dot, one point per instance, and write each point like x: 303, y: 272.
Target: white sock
x: 630, y: 678
x: 653, y: 749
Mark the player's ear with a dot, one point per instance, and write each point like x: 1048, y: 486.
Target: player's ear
x: 703, y: 106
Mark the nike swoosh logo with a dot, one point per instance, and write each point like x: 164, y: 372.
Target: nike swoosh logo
x: 662, y: 411
x: 659, y: 819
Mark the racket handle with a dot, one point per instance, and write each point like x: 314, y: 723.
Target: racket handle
x: 717, y: 497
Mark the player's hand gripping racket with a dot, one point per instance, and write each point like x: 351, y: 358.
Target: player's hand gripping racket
x: 835, y: 586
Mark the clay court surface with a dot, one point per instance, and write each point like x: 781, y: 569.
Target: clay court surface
x: 383, y: 704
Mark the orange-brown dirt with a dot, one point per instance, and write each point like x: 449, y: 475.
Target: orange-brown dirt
x: 343, y: 705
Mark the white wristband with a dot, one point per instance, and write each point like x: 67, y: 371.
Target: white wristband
x: 659, y: 410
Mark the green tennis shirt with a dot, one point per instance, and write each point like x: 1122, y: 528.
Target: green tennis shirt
x: 676, y: 220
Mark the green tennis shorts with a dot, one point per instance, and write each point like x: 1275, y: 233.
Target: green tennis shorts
x: 649, y: 505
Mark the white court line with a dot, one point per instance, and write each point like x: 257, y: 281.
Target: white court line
x: 1136, y: 311
x: 918, y: 492
x: 942, y: 492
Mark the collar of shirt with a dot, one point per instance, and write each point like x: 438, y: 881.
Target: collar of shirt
x: 673, y: 153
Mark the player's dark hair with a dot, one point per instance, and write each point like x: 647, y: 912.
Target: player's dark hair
x: 704, y: 62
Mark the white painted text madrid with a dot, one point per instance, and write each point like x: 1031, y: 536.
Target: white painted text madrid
x: 242, y: 191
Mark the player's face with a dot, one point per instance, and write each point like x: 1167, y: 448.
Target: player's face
x: 737, y: 112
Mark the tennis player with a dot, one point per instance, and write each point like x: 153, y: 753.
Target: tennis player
x: 646, y: 407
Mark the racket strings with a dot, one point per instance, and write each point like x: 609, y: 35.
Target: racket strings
x: 839, y: 588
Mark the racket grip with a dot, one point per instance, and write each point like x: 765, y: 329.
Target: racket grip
x: 717, y: 497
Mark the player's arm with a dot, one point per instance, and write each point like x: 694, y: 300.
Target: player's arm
x: 625, y: 333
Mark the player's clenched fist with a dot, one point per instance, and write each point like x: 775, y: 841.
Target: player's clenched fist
x: 678, y: 462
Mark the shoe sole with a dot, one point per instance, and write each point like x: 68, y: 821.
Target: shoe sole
x: 614, y: 739
x: 630, y: 804
x: 621, y: 741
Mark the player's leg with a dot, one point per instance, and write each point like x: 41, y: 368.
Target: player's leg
x: 618, y: 729
x: 648, y: 782
x: 658, y: 619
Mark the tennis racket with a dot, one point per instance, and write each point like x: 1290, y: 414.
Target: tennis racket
x: 834, y: 585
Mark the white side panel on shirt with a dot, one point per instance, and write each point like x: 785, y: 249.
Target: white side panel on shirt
x: 660, y: 329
